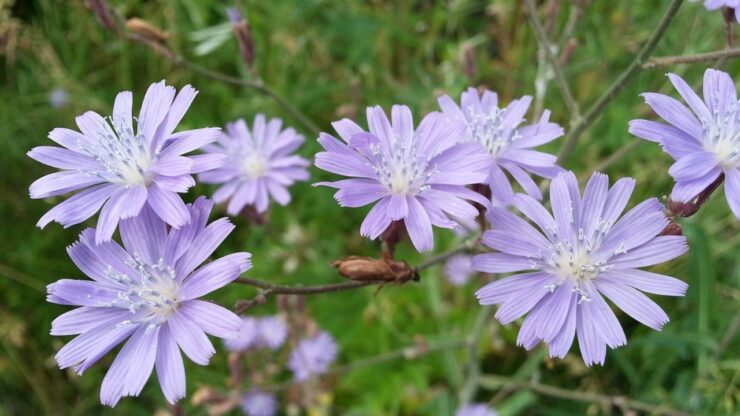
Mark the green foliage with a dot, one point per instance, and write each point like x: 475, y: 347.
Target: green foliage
x: 331, y: 60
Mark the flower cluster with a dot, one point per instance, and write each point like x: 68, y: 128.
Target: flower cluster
x: 568, y: 260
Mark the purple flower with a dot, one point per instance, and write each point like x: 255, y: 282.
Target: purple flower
x: 147, y: 291
x: 267, y: 332
x: 260, y: 163
x: 732, y: 4
x: 259, y: 403
x: 312, y: 356
x: 273, y: 331
x: 246, y: 336
x: 58, y: 97
x: 415, y: 175
x: 582, y: 252
x: 509, y: 145
x: 704, y: 141
x: 475, y: 409
x: 459, y: 269
x: 109, y: 162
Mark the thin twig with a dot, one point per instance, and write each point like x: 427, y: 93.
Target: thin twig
x: 544, y: 42
x: 624, y: 403
x: 692, y: 59
x: 257, y: 85
x: 304, y: 290
x: 268, y: 289
x: 600, y: 105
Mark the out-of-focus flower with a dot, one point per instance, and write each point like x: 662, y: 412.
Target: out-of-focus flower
x: 58, y: 97
x: 260, y: 164
x: 259, y: 403
x: 273, y: 330
x: 459, y: 269
x: 705, y: 141
x: 246, y: 337
x: 312, y: 356
x: 124, y: 171
x: 731, y: 4
x: 509, y: 146
x: 585, y: 251
x: 147, y: 291
x: 415, y: 175
x: 475, y: 409
x: 266, y: 332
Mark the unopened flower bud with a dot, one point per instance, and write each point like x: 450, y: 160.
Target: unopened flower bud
x: 672, y: 229
x: 370, y: 269
x: 243, y: 33
x: 102, y: 12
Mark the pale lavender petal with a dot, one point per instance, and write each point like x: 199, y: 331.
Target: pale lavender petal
x: 131, y: 368
x: 145, y: 235
x: 80, y: 292
x: 688, y: 94
x: 84, y: 319
x: 658, y: 250
x: 672, y: 111
x: 170, y: 368
x: 169, y: 206
x: 719, y: 91
x: 207, y: 162
x: 78, y: 207
x: 593, y: 348
x: 646, y: 281
x: 501, y: 263
x: 604, y: 321
x: 154, y: 108
x: 499, y: 291
x: 562, y: 342
x: 123, y: 203
x: 419, y: 226
x: 187, y: 141
x: 693, y: 165
x: 686, y: 190
x: 732, y: 190
x: 191, y: 339
x: 377, y: 220
x: 634, y: 303
x: 214, y: 275
x: 61, y: 158
x: 213, y: 319
x: 60, y: 183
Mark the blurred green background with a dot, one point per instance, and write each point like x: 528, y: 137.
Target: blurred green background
x: 331, y: 59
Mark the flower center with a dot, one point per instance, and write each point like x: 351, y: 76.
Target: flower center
x: 722, y: 137
x: 401, y: 172
x: 488, y: 130
x: 254, y: 165
x: 124, y: 154
x: 153, y: 293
